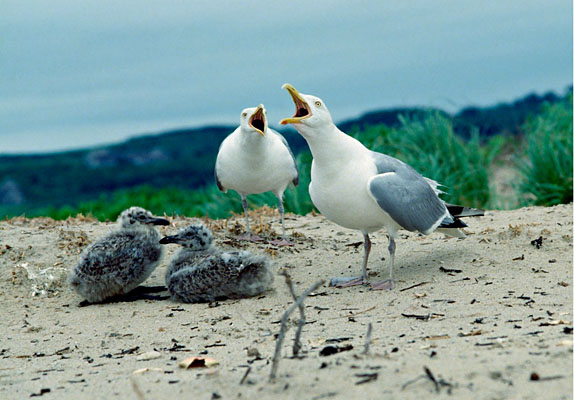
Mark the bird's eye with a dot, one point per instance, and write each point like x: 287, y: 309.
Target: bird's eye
x: 318, y: 103
x: 188, y: 234
x: 244, y: 114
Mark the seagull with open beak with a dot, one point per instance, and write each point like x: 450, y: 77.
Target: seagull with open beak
x: 256, y: 159
x: 364, y: 190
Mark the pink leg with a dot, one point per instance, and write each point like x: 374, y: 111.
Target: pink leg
x: 389, y: 283
x: 359, y: 280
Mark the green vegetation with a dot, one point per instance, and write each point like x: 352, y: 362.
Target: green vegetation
x: 547, y: 171
x: 207, y: 201
x: 430, y: 146
x: 173, y: 173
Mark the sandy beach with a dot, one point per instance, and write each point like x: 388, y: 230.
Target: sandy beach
x: 486, y: 317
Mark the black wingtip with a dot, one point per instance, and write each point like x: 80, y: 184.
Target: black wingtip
x: 461, y: 211
x: 457, y: 223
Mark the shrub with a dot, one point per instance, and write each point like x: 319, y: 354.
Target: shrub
x: 430, y: 146
x: 547, y: 170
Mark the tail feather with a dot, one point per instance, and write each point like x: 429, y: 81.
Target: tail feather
x: 461, y: 211
x: 453, y: 223
x: 457, y: 233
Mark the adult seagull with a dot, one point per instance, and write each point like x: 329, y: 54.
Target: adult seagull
x: 256, y: 159
x: 364, y: 190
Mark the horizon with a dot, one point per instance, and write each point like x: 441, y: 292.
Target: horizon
x: 80, y: 75
x: 280, y: 128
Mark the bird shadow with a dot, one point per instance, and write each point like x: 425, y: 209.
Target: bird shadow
x: 139, y: 293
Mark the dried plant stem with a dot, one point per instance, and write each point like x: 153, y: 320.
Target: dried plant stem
x: 298, y: 303
x: 368, y: 338
x: 301, y: 324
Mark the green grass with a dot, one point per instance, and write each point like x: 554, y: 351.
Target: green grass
x: 208, y: 201
x: 427, y: 143
x: 547, y: 170
x: 430, y: 146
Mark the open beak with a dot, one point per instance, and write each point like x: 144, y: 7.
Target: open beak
x: 159, y: 221
x: 258, y: 120
x: 302, y: 109
x: 168, y: 239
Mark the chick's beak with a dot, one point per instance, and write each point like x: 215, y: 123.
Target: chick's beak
x: 159, y: 221
x: 302, y: 109
x: 258, y: 120
x: 167, y: 240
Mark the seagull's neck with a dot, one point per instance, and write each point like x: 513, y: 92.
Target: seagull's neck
x: 252, y: 141
x: 332, y: 145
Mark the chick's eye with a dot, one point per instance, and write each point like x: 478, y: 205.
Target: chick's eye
x: 188, y: 234
x: 318, y: 103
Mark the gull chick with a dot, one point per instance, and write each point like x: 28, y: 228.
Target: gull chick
x: 121, y: 260
x: 364, y: 190
x: 199, y: 272
x: 256, y: 159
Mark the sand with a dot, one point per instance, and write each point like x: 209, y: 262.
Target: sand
x: 491, y: 317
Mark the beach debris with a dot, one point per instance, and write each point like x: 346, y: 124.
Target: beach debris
x: 41, y: 393
x: 535, y: 377
x: 438, y: 383
x: 413, y: 286
x: 254, y: 352
x: 367, y: 378
x: 450, y: 270
x: 334, y: 349
x: 198, y: 362
x: 242, y: 381
x: 471, y: 333
x: 150, y: 355
x: 424, y: 317
x: 147, y: 369
x: 42, y: 282
x: 437, y: 337
x: 301, y: 323
x: 283, y: 330
x: 537, y: 242
x: 555, y: 322
x: 368, y: 339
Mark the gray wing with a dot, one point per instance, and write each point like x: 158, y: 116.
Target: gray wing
x: 296, y: 180
x: 406, y: 195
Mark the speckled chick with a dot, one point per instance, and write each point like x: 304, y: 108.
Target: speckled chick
x: 201, y: 273
x: 121, y: 260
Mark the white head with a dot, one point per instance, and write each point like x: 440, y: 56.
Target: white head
x: 311, y: 114
x: 254, y: 119
x: 135, y: 217
x: 195, y: 237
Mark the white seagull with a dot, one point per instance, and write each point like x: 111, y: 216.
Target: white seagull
x: 256, y: 159
x: 364, y: 190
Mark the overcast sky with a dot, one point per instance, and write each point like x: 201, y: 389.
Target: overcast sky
x: 77, y: 73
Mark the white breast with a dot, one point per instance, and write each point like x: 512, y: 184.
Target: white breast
x: 339, y: 191
x: 255, y: 169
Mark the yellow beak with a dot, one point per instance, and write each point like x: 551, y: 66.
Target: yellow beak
x: 258, y: 120
x: 302, y: 109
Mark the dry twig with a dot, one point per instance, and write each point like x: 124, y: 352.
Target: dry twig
x: 368, y: 338
x: 298, y: 303
x: 297, y: 340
